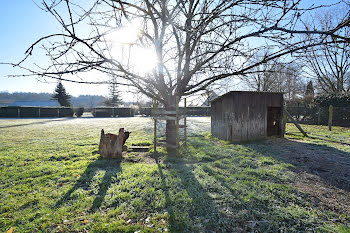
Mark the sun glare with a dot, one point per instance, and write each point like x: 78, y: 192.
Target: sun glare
x: 143, y: 60
x: 125, y: 48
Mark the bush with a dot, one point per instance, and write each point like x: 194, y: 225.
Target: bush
x: 98, y: 112
x: 337, y: 100
x: 79, y: 111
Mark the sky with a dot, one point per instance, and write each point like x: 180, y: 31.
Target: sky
x: 22, y: 23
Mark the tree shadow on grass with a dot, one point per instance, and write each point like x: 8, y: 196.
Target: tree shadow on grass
x: 244, y: 212
x: 258, y: 196
x: 189, y: 205
x: 328, y: 163
x: 111, y: 167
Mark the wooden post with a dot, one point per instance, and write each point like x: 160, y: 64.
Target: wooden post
x: 284, y: 123
x: 330, y: 117
x: 185, y: 124
x: 18, y: 112
x: 39, y: 111
x: 295, y: 123
x: 177, y: 122
x: 155, y: 125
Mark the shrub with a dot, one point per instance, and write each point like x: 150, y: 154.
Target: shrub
x: 79, y: 111
x: 337, y: 100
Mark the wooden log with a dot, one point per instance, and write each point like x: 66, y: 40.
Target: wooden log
x: 295, y: 123
x: 112, y: 145
x: 168, y: 118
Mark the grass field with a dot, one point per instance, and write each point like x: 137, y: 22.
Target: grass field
x: 52, y: 180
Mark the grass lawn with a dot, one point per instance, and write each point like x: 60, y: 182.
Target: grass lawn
x: 52, y: 180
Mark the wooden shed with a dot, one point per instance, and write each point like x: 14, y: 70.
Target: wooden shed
x: 247, y: 115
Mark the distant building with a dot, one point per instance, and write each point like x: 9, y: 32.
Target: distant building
x: 37, y: 103
x: 4, y: 103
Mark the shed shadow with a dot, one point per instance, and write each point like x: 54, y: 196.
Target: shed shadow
x: 328, y: 163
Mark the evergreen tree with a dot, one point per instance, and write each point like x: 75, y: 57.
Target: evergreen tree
x: 61, y: 95
x: 310, y: 90
x: 114, y: 99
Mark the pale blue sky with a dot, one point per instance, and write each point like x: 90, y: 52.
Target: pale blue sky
x: 22, y: 23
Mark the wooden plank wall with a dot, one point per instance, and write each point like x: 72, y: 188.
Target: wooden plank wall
x: 242, y: 116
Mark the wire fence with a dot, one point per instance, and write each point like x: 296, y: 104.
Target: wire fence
x: 315, y: 115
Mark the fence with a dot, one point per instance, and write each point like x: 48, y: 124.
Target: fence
x: 30, y: 112
x: 191, y: 111
x: 316, y: 115
x: 113, y: 112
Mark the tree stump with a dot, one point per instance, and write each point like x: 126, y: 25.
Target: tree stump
x: 112, y: 145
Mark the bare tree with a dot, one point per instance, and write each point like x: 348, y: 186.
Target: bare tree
x: 275, y: 76
x: 292, y: 82
x: 196, y: 42
x: 266, y: 76
x: 329, y: 64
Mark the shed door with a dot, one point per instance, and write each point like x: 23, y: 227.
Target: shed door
x: 274, y: 116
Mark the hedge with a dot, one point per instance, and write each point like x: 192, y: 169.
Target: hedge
x: 191, y: 111
x: 113, y: 112
x: 31, y: 112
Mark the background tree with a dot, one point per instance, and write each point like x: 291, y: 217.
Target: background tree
x: 309, y: 93
x: 292, y: 82
x: 329, y: 63
x: 61, y: 95
x: 275, y: 76
x: 196, y: 42
x: 113, y: 99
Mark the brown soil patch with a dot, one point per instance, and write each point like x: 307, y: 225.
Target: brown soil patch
x: 322, y: 194
x: 322, y: 172
x: 139, y: 157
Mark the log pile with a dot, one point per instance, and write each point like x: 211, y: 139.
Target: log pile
x: 112, y: 145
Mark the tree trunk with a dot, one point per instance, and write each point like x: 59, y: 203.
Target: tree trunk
x: 170, y: 135
x: 170, y: 132
x: 111, y: 145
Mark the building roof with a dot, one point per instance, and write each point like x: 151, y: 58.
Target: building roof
x: 251, y: 92
x: 37, y: 103
x: 209, y: 98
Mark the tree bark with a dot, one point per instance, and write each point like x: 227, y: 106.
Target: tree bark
x: 170, y: 133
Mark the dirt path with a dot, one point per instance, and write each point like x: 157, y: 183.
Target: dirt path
x: 321, y: 171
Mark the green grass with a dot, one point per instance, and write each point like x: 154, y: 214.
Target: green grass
x: 52, y: 180
x: 338, y: 137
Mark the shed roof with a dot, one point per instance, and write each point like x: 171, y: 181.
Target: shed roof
x: 257, y: 92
